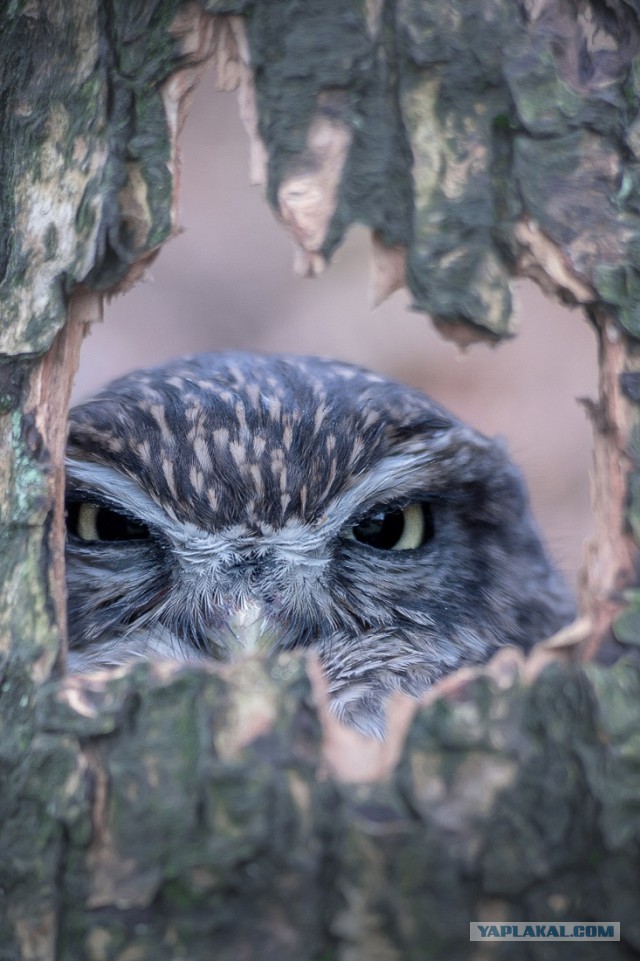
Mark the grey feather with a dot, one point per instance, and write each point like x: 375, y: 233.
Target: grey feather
x: 236, y: 482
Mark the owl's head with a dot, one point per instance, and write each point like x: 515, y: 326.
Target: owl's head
x: 225, y: 503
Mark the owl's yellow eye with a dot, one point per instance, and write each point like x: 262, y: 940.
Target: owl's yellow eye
x: 94, y: 522
x: 395, y: 528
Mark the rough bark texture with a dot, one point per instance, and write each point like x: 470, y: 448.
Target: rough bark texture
x: 157, y: 813
x: 178, y: 815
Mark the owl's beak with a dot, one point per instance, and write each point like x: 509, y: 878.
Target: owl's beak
x: 249, y: 632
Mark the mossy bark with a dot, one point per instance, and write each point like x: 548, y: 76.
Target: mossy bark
x: 163, y: 813
x: 168, y: 815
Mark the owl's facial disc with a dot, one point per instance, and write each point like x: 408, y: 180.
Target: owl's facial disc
x: 240, y: 591
x: 225, y: 503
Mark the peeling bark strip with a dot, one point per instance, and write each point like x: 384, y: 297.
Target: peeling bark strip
x: 489, y: 139
x: 610, y: 574
x: 86, y: 190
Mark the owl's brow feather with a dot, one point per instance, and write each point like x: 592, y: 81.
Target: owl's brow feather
x: 195, y: 543
x: 421, y: 466
x: 90, y: 478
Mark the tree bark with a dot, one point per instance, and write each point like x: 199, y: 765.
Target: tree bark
x: 174, y: 813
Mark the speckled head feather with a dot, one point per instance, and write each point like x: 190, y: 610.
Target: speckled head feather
x: 227, y: 501
x: 242, y: 439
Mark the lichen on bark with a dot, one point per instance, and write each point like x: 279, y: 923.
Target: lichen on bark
x: 461, y: 117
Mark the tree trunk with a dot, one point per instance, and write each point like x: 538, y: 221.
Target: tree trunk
x: 173, y: 813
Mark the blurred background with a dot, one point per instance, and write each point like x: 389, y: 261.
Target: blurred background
x: 226, y: 282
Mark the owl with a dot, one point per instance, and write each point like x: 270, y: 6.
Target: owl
x: 233, y: 503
